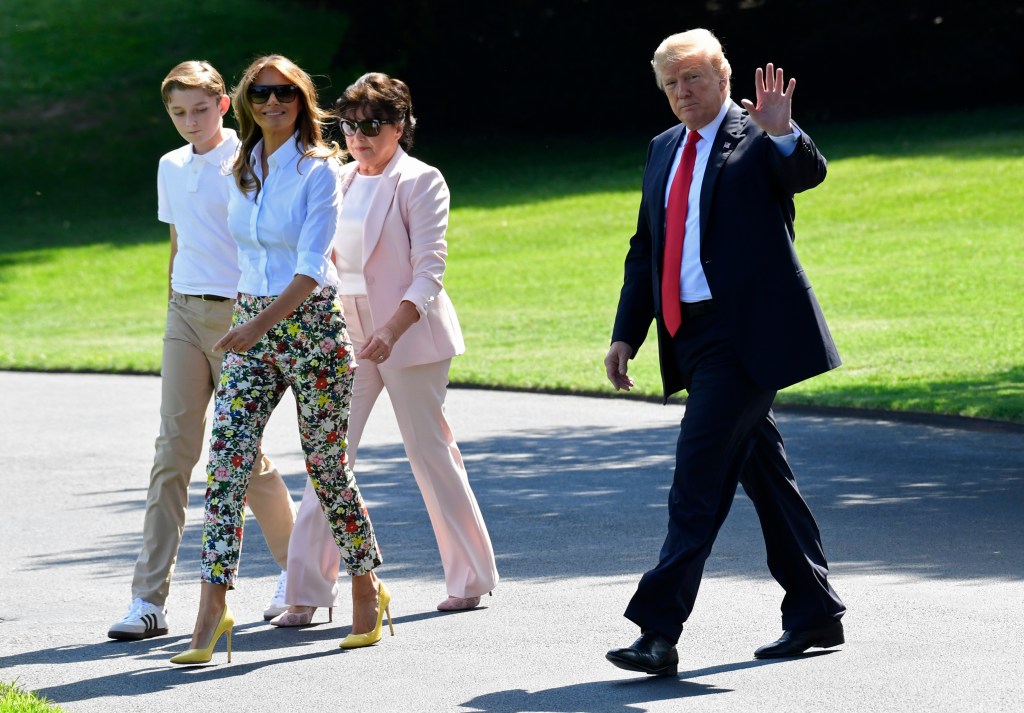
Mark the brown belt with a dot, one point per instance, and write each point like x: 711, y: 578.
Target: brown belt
x: 696, y: 309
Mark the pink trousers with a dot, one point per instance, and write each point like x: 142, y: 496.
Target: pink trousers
x: 417, y: 394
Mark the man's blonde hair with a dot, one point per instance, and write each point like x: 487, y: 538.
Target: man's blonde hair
x: 691, y: 44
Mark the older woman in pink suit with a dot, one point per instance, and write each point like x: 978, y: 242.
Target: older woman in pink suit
x: 390, y: 252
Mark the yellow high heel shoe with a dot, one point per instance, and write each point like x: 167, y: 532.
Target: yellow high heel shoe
x: 356, y: 641
x: 192, y: 656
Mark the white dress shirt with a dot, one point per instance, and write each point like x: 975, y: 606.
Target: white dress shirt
x: 693, y: 285
x: 348, y: 244
x: 288, y: 227
x: 192, y: 195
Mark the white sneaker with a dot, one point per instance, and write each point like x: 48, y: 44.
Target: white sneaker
x: 277, y: 603
x: 143, y: 621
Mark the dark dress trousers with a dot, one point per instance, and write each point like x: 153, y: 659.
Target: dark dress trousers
x: 766, y: 332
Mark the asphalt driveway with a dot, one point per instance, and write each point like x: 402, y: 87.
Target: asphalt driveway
x: 923, y: 525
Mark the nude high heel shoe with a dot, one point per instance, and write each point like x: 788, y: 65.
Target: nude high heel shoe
x: 460, y: 603
x: 356, y: 641
x: 194, y: 656
x: 299, y: 618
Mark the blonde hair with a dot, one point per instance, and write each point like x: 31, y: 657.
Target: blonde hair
x: 193, y: 74
x: 694, y: 43
x: 310, y: 121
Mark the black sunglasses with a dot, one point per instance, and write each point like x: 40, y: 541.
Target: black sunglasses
x: 260, y: 93
x: 369, y: 127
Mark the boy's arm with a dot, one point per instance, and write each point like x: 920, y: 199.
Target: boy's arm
x: 170, y: 262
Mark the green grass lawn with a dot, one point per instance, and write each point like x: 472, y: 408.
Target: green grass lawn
x: 15, y: 700
x: 912, y: 243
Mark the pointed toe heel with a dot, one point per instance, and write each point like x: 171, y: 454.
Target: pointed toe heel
x: 459, y: 603
x: 356, y: 641
x: 197, y: 656
x: 299, y: 618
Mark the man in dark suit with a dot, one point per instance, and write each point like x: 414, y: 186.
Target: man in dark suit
x: 712, y: 261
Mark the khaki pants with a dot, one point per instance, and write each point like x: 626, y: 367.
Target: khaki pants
x: 190, y: 373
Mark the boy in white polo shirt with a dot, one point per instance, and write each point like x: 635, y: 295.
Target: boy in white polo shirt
x: 203, y: 274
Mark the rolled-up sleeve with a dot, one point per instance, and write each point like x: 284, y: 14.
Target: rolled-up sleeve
x: 323, y: 206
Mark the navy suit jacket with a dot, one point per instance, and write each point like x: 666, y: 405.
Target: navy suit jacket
x: 758, y: 286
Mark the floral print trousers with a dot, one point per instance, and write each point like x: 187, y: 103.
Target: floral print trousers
x: 309, y: 351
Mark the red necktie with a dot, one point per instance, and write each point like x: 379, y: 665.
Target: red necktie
x: 675, y: 227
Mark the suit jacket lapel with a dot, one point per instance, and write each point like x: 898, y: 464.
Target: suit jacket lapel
x: 734, y: 127
x: 381, y: 203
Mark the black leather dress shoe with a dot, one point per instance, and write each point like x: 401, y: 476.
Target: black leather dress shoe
x: 795, y: 642
x: 651, y: 654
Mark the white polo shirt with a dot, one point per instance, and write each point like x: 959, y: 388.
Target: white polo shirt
x: 287, y: 228
x: 192, y: 193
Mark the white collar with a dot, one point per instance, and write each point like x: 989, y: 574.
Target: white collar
x: 219, y: 153
x: 711, y: 129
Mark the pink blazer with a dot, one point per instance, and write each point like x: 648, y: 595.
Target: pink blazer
x: 404, y: 251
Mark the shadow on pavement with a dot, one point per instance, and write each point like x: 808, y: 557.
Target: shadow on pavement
x: 606, y: 696
x: 922, y: 502
x: 892, y: 498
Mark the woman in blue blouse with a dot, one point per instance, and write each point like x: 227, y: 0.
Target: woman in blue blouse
x: 287, y: 330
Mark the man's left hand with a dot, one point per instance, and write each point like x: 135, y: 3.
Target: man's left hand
x: 774, y: 108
